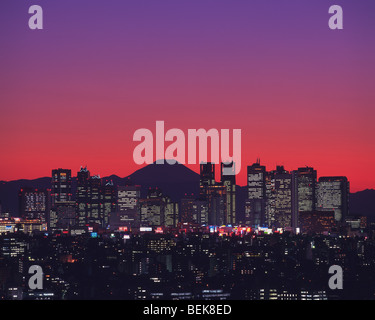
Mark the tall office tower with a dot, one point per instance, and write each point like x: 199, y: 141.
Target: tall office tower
x: 229, y: 182
x: 61, y: 185
x: 306, y: 189
x: 283, y: 198
x: 217, y: 206
x: 333, y: 195
x: 295, y: 199
x: 255, y: 212
x: 158, y: 210
x: 186, y: 209
x: 200, y: 212
x: 62, y: 215
x: 207, y: 178
x: 171, y: 212
x: 34, y: 204
x: 95, y: 213
x: 270, y: 199
x: 128, y: 209
x: 82, y: 198
x: 153, y: 208
x: 108, y: 201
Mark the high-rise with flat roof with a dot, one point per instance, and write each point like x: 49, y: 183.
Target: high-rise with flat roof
x: 333, y: 195
x: 255, y: 212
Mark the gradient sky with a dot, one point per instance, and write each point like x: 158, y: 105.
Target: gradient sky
x: 74, y: 93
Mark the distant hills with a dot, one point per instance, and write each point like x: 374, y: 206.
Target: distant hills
x: 175, y: 181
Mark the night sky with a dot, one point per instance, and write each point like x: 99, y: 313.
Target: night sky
x: 74, y: 93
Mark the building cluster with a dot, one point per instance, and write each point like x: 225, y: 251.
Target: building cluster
x: 96, y: 240
x: 294, y: 201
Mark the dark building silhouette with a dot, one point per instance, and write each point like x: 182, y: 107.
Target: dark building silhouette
x: 187, y: 209
x: 316, y: 222
x: 207, y: 178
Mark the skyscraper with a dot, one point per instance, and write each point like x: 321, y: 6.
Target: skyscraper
x: 158, y: 210
x: 62, y: 213
x: 270, y: 199
x: 256, y: 195
x: 34, y: 203
x: 61, y: 185
x: 229, y: 182
x: 186, y: 209
x: 283, y: 198
x: 217, y: 205
x: 95, y: 212
x: 153, y: 208
x: 82, y: 201
x: 128, y: 207
x: 333, y: 195
x: 108, y: 201
x: 306, y: 189
x: 207, y: 178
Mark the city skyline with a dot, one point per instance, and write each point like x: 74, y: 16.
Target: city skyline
x: 274, y: 198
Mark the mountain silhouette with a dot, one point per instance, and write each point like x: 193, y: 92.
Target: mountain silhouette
x: 363, y: 203
x: 175, y: 181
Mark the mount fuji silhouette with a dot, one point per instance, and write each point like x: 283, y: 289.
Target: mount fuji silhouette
x: 175, y: 181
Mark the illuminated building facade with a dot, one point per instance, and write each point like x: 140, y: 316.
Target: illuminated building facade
x: 229, y: 182
x: 82, y: 198
x: 61, y: 185
x: 158, y: 210
x: 333, y: 195
x: 255, y: 211
x: 108, y: 201
x: 128, y: 207
x: 34, y: 203
x: 62, y: 213
x: 283, y: 198
x: 306, y: 189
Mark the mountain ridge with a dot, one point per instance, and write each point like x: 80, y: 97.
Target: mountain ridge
x: 174, y: 180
